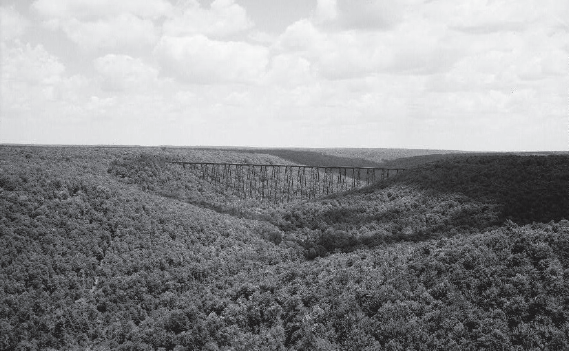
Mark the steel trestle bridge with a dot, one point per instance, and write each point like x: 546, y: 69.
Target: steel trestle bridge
x: 283, y: 183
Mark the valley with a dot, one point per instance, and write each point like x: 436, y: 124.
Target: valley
x: 107, y: 248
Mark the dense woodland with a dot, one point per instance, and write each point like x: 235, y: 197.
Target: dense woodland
x: 114, y: 248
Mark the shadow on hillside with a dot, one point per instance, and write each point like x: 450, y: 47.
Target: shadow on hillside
x: 331, y: 241
x: 397, y: 224
x: 418, y: 161
x: 526, y: 188
x: 313, y: 158
x: 467, y: 194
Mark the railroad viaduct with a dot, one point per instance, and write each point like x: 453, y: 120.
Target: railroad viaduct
x: 283, y: 183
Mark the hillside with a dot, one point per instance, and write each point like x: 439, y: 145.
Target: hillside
x: 384, y: 155
x: 394, y: 158
x: 113, y: 248
x: 312, y: 157
x: 463, y: 194
x: 527, y: 188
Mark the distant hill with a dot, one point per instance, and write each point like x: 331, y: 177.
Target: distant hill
x: 311, y: 157
x: 382, y: 155
x: 414, y: 161
x: 356, y: 157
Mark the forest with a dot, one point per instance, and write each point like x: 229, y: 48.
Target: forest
x: 115, y: 248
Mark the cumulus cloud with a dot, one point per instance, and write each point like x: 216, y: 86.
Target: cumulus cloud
x: 300, y: 36
x: 398, y: 71
x: 418, y: 46
x: 289, y: 70
x: 12, y: 23
x: 326, y: 10
x: 29, y: 64
x: 476, y: 17
x: 223, y: 18
x: 122, y: 72
x: 89, y: 10
x: 32, y: 76
x: 361, y: 15
x: 329, y: 55
x: 345, y: 40
x: 198, y: 59
x: 414, y: 47
x: 504, y: 61
x: 105, y: 25
x: 124, y: 32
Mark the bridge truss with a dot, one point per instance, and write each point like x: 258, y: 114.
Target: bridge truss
x: 284, y: 183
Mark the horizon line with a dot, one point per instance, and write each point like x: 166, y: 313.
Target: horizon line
x: 273, y: 147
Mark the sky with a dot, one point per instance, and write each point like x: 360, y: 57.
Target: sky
x: 477, y: 75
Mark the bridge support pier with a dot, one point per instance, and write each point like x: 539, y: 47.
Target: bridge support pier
x: 285, y: 183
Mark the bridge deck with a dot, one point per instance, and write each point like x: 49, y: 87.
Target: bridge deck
x: 283, y: 165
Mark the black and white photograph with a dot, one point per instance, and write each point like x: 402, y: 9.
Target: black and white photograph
x: 275, y: 175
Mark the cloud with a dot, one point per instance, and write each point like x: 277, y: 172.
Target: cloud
x: 223, y: 18
x: 33, y: 65
x: 289, y: 70
x: 419, y: 46
x: 360, y: 15
x: 326, y: 10
x: 368, y: 73
x: 414, y: 47
x: 197, y: 59
x: 101, y: 106
x: 12, y: 24
x: 105, y: 25
x: 31, y: 77
x: 482, y: 17
x: 300, y: 36
x: 124, y: 32
x: 335, y: 55
x: 90, y: 10
x: 504, y: 61
x: 122, y: 72
x: 345, y: 40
